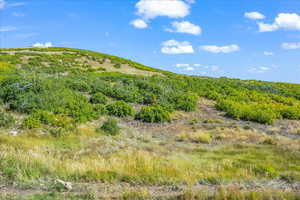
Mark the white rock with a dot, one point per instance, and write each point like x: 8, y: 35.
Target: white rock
x: 67, y: 185
x: 14, y: 133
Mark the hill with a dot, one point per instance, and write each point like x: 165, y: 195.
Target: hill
x: 115, y: 128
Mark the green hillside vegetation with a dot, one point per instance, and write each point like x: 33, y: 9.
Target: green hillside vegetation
x: 61, y: 102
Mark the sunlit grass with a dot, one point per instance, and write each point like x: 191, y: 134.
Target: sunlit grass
x: 75, y: 158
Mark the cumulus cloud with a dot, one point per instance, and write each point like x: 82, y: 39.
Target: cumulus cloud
x: 175, y: 47
x: 8, y: 28
x: 220, y: 49
x: 288, y: 46
x: 258, y: 70
x: 139, y: 23
x: 2, y: 4
x: 268, y: 53
x: 150, y: 9
x: 254, y: 15
x: 267, y: 27
x: 285, y: 21
x: 18, y: 14
x: 196, y: 67
x: 185, y: 27
x: 42, y: 45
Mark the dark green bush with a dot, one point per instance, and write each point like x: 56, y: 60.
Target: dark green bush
x: 186, y: 102
x: 31, y: 122
x: 100, y: 109
x: 98, y: 98
x: 153, y: 114
x: 120, y: 109
x: 118, y: 65
x: 292, y: 113
x: 111, y: 127
x: 6, y: 120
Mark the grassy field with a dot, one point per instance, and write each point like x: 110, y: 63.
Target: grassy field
x: 115, y: 129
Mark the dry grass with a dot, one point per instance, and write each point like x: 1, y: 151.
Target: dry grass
x: 198, y: 137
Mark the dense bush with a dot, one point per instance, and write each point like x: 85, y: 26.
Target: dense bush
x: 247, y: 112
x: 59, y: 84
x: 98, y: 98
x: 153, y: 114
x: 186, y: 102
x: 292, y: 113
x: 31, y: 122
x: 118, y: 65
x: 111, y: 127
x: 120, y: 109
x: 100, y: 109
x: 6, y: 120
x: 41, y: 117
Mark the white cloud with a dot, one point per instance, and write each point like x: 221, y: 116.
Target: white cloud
x: 150, y: 9
x: 8, y: 28
x: 267, y: 27
x: 285, y: 21
x: 41, y: 45
x: 175, y: 47
x: 18, y: 14
x: 220, y: 49
x: 185, y: 27
x: 268, y: 53
x: 194, y: 67
x: 182, y: 65
x: 139, y: 23
x: 16, y: 4
x: 2, y: 4
x: 215, y: 68
x: 289, y: 46
x: 258, y: 70
x: 190, y: 68
x: 254, y: 15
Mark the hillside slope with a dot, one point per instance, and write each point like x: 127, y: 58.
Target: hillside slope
x: 116, y: 128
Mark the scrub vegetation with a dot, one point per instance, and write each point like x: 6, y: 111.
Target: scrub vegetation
x: 100, y: 121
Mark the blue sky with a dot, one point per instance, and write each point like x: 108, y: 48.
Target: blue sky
x: 235, y: 38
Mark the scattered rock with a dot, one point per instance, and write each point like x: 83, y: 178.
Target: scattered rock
x: 66, y: 185
x: 14, y: 133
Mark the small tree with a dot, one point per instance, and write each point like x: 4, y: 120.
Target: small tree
x: 98, y: 98
x: 153, y: 114
x: 111, y: 127
x: 120, y: 109
x: 6, y: 120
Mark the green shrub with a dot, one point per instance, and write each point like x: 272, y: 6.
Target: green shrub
x: 118, y: 65
x: 120, y: 109
x: 153, y: 114
x: 6, y: 120
x: 31, y: 122
x: 80, y: 85
x: 111, y: 127
x: 186, y: 102
x: 100, y: 109
x: 98, y: 98
x: 292, y: 113
x: 44, y: 117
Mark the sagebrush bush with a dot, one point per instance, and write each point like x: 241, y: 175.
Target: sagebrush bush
x: 6, y: 120
x: 118, y: 65
x: 120, y: 109
x: 100, y: 109
x: 98, y: 98
x: 153, y: 114
x: 31, y: 122
x: 186, y: 102
x: 111, y: 127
